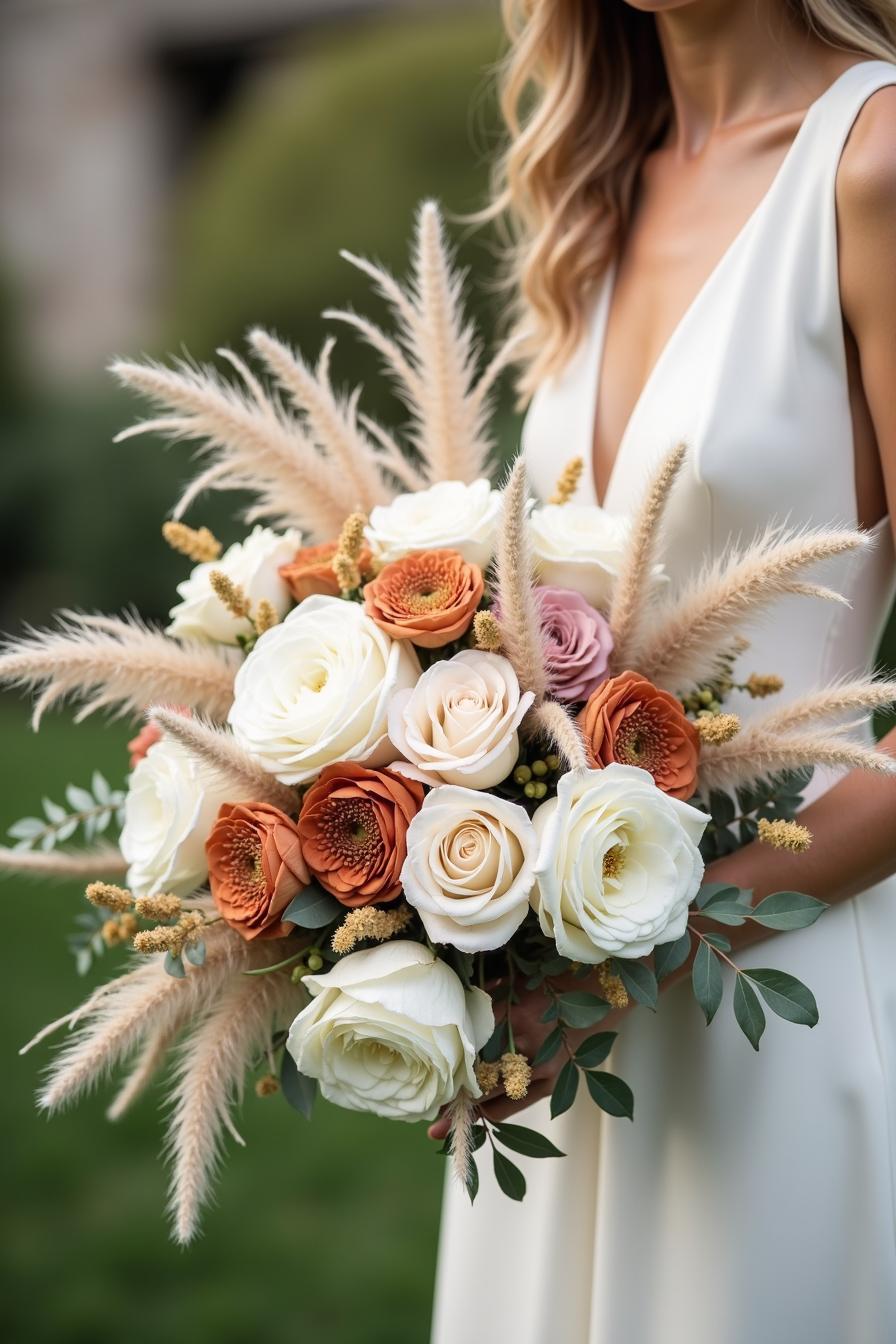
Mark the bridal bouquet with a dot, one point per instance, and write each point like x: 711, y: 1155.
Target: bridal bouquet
x: 423, y: 738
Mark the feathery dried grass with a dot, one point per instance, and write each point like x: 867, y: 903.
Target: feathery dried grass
x: 682, y: 646
x: 219, y: 750
x: 756, y: 753
x: 117, y: 664
x: 209, y: 1082
x: 435, y: 355
x: 630, y: 604
x: 517, y: 608
x: 862, y: 696
x: 148, y: 1063
x: 102, y: 861
x: 462, y: 1112
x: 553, y: 721
x: 115, y: 1022
x: 254, y: 444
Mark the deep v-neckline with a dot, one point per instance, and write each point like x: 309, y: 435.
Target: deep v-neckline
x: 604, y: 298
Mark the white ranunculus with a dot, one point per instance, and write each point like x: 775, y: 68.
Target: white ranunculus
x: 618, y: 864
x: 253, y: 564
x: 447, y: 516
x: 391, y: 1030
x: 470, y: 867
x: 170, y: 808
x: 458, y: 725
x: 315, y: 689
x: 579, y: 546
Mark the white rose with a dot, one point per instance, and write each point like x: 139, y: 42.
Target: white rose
x: 171, y: 806
x: 447, y: 516
x: 315, y: 689
x: 458, y: 725
x: 470, y: 867
x: 579, y: 546
x: 391, y: 1030
x: 253, y: 564
x: 618, y: 864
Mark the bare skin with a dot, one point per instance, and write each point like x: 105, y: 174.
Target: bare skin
x: 742, y: 75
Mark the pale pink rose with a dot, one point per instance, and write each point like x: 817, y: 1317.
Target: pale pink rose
x: 577, y: 641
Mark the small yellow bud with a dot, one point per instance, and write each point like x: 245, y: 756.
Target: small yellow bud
x: 160, y: 908
x: 266, y: 1086
x: 108, y: 896
x: 568, y: 482
x: 265, y: 617
x: 488, y: 1075
x: 714, y: 729
x: 314, y: 961
x: 198, y: 544
x: 516, y: 1074
x: 611, y: 987
x: 782, y: 834
x: 345, y: 561
x: 486, y: 632
x: 230, y: 593
x: 759, y: 685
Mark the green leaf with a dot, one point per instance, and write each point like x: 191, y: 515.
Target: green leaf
x: 611, y: 1094
x: 715, y: 891
x: 496, y: 1043
x: 548, y: 1048
x: 509, y: 1177
x: 312, y: 908
x: 472, y: 1179
x: 726, y: 912
x: 721, y: 807
x: 298, y: 1089
x: 718, y: 941
x: 195, y: 953
x: 639, y: 980
x: 788, y: 910
x: 565, y: 1089
x: 526, y: 1141
x: 477, y: 1137
x: 706, y: 979
x: 550, y: 1013
x: 580, y: 1009
x: 667, y: 957
x: 594, y: 1051
x: 174, y: 966
x: 786, y: 996
x: 748, y: 1011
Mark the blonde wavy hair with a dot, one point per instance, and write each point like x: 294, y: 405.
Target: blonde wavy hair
x: 584, y: 96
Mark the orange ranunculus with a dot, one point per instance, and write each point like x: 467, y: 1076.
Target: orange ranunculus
x: 311, y: 571
x: 429, y: 597
x: 631, y: 721
x: 255, y: 868
x: 353, y: 826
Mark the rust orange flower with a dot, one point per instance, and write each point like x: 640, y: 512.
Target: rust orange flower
x: 255, y: 868
x: 353, y: 827
x: 429, y: 597
x: 311, y: 570
x: 631, y: 721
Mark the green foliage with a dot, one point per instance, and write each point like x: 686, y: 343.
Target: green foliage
x: 313, y: 908
x: 509, y: 1177
x: 526, y: 1141
x: 611, y: 1094
x: 748, y: 1011
x: 297, y: 1090
x: 706, y: 979
x: 88, y: 815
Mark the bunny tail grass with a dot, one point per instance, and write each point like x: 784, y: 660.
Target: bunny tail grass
x: 630, y: 603
x: 517, y: 608
x: 148, y: 1063
x: 118, y: 665
x: 103, y: 861
x: 219, y: 750
x: 209, y: 1081
x: 756, y: 753
x: 682, y: 647
x: 864, y: 696
x: 434, y: 356
x: 551, y: 720
x: 254, y: 444
x: 462, y: 1112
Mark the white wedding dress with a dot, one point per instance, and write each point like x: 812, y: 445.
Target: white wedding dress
x: 753, y: 1199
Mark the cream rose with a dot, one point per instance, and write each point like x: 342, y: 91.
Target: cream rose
x: 618, y: 864
x: 169, y: 811
x: 579, y: 546
x: 391, y: 1030
x: 253, y: 565
x: 448, y: 516
x: 314, y: 690
x: 470, y: 867
x: 458, y: 725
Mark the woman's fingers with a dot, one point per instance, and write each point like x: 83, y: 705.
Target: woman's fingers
x: 502, y: 1107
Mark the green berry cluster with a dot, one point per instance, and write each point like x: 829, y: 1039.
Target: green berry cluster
x: 535, y: 777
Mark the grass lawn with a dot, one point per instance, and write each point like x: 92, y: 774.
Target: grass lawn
x: 323, y: 1232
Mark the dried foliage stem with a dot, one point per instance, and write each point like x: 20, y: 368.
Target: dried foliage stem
x: 101, y: 861
x: 148, y: 1063
x: 552, y: 720
x: 462, y: 1112
x: 518, y: 616
x: 218, y: 749
x: 756, y: 752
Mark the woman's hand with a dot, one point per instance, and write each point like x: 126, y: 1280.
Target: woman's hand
x: 528, y: 1033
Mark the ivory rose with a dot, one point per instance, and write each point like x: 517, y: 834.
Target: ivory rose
x: 618, y: 864
x: 449, y: 515
x: 255, y: 868
x: 254, y: 566
x: 579, y: 546
x: 470, y: 867
x: 315, y: 688
x: 458, y: 725
x: 171, y: 805
x: 391, y: 1030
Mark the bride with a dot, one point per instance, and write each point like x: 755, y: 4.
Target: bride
x: 704, y: 195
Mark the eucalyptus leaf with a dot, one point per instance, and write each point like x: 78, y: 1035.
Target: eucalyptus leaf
x: 472, y: 1182
x: 639, y: 980
x: 580, y: 1009
x: 526, y: 1141
x: 718, y: 941
x: 726, y: 912
x: 313, y: 908
x: 667, y: 957
x: 786, y: 996
x: 706, y: 979
x: 195, y: 953
x: 548, y: 1048
x: 594, y: 1051
x: 174, y: 966
x: 721, y: 807
x: 496, y: 1044
x: 611, y: 1094
x: 509, y: 1177
x: 54, y: 812
x: 748, y: 1011
x: 297, y: 1088
x: 788, y: 910
x: 715, y: 891
x: 565, y: 1089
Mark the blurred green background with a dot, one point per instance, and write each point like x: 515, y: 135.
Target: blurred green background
x: 206, y: 162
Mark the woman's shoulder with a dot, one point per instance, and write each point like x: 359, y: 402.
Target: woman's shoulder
x: 866, y: 179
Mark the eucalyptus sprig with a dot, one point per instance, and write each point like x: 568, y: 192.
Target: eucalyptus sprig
x: 89, y: 810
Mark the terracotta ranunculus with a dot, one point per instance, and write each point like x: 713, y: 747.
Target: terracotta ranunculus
x: 353, y: 828
x: 629, y: 720
x: 311, y: 570
x: 255, y: 868
x: 429, y: 597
